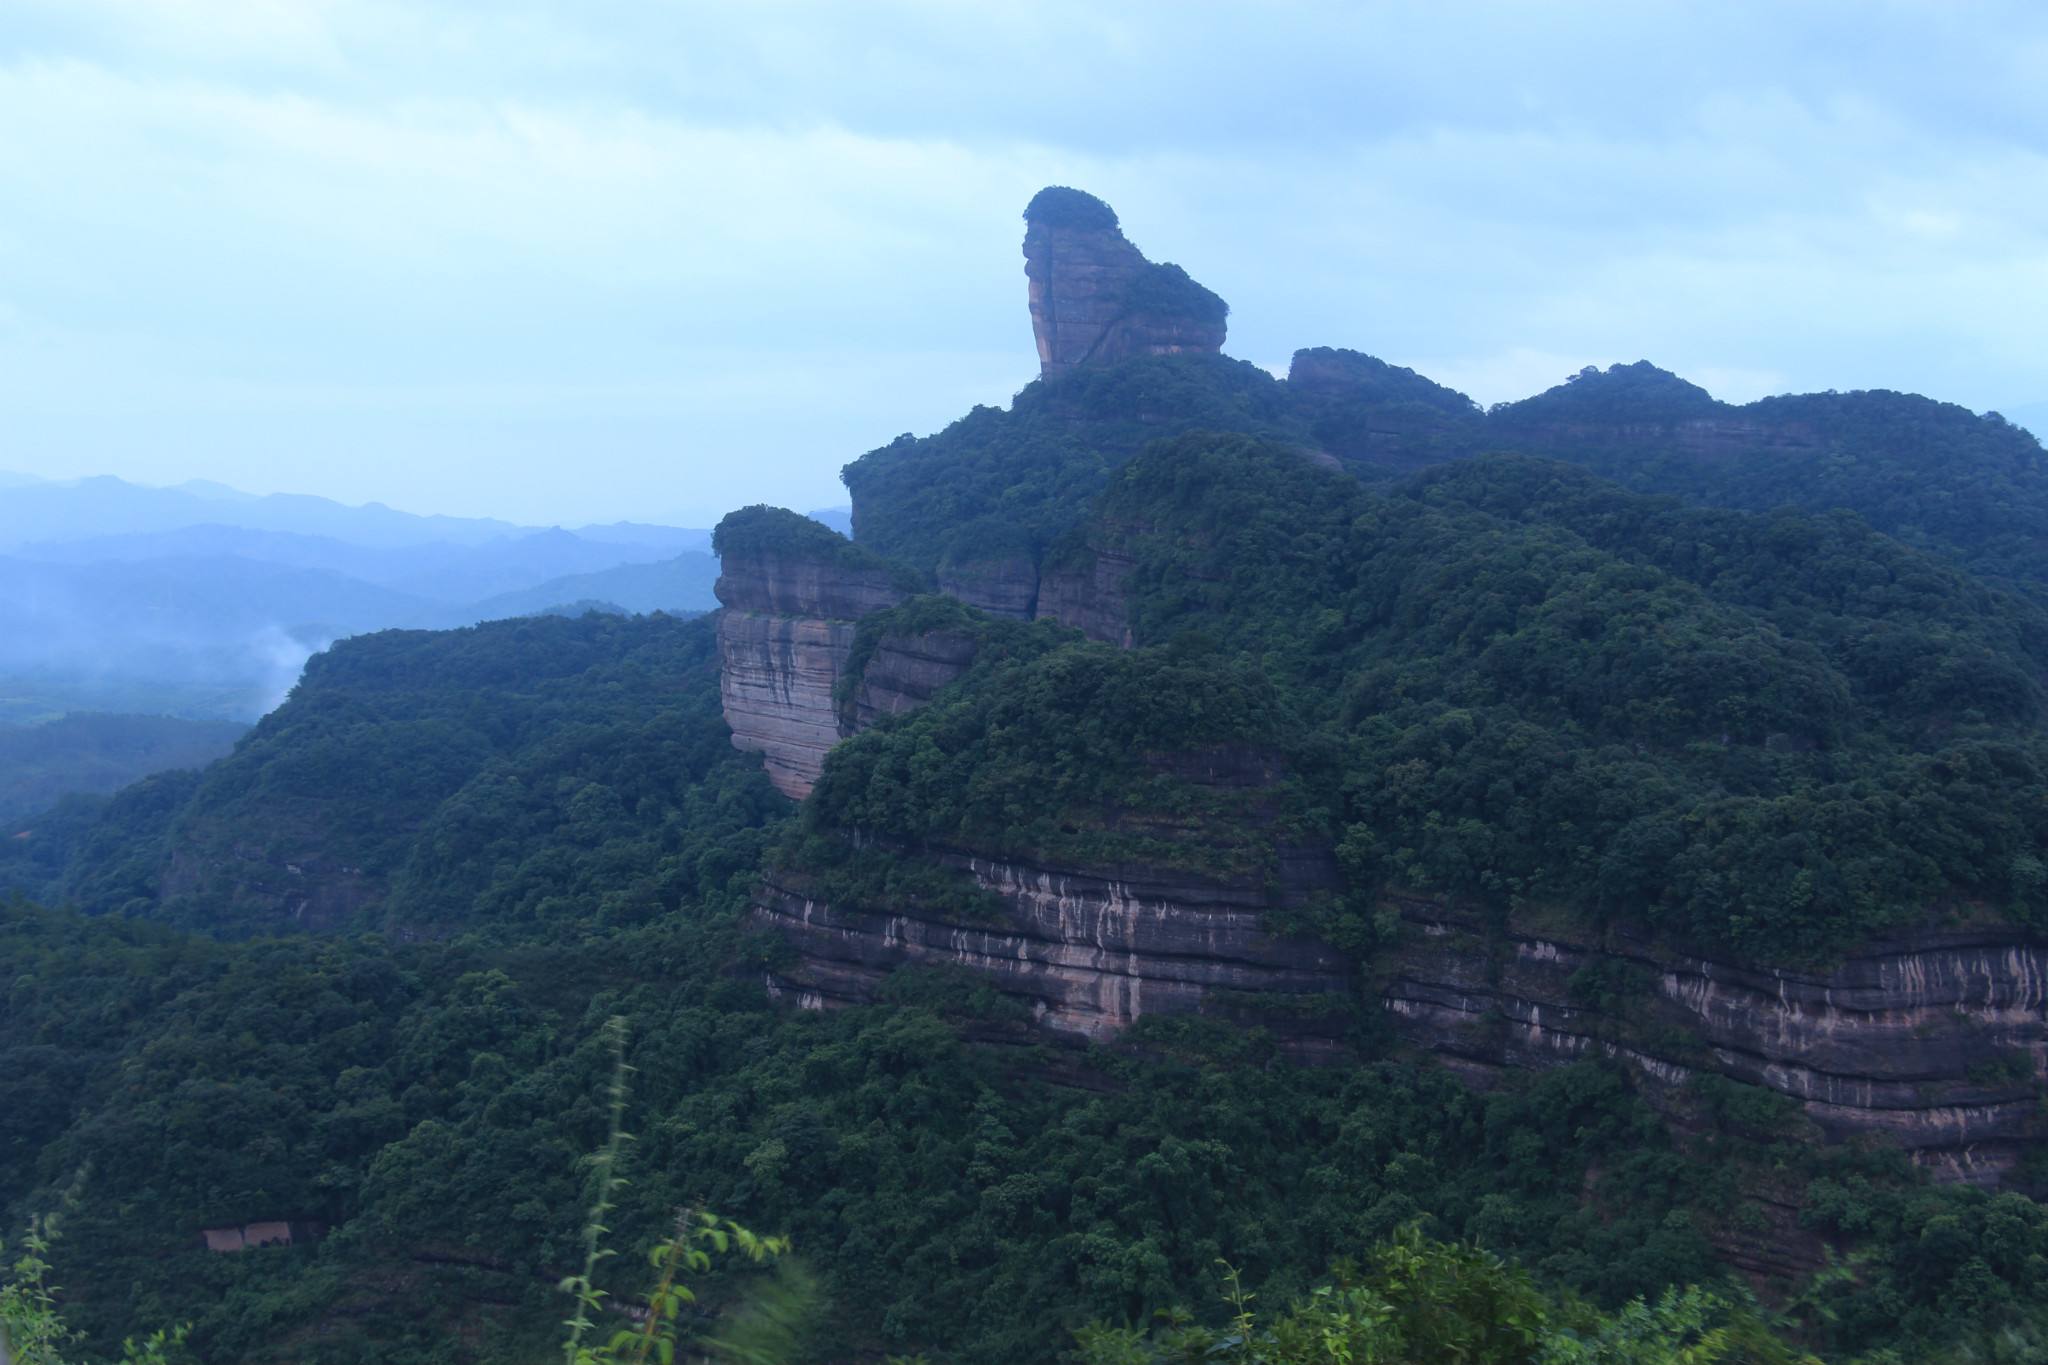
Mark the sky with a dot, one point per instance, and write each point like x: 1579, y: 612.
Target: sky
x: 653, y: 259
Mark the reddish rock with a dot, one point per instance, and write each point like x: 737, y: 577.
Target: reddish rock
x: 1094, y: 296
x: 783, y: 640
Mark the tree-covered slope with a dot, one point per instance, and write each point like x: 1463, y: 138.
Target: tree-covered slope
x: 1934, y: 475
x: 430, y: 1103
x: 1009, y: 481
x: 1448, y: 673
x: 1767, y: 736
x: 1969, y: 488
x: 546, y: 768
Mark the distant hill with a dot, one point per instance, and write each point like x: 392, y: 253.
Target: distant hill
x: 677, y: 586
x: 839, y: 519
x: 204, y: 601
x: 80, y: 508
x: 439, y: 571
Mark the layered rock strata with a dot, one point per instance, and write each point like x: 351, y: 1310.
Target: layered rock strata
x: 783, y: 640
x: 1089, y: 950
x: 1936, y: 1041
x: 1095, y: 298
x: 903, y: 672
x: 1087, y: 590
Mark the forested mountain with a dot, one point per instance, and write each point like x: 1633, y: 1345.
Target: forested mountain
x: 429, y: 1102
x: 1291, y: 823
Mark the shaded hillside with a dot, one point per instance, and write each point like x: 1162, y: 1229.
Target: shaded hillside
x: 434, y: 781
x: 97, y: 754
x: 982, y: 500
x: 993, y: 490
x: 1932, y: 474
x: 224, y: 637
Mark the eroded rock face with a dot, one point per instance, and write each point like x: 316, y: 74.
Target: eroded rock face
x: 1937, y: 1041
x: 1089, y: 950
x: 1002, y: 586
x: 792, y: 585
x: 1087, y: 592
x: 1094, y: 296
x: 905, y: 670
x: 776, y: 677
x: 299, y: 887
x: 783, y: 640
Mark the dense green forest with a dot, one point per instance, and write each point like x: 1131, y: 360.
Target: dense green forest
x: 976, y: 1200
x: 528, y: 770
x: 1766, y: 736
x: 1970, y: 488
x: 1767, y: 716
x: 430, y: 1103
x: 93, y: 754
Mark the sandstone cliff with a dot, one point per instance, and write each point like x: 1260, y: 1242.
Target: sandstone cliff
x: 1936, y: 1042
x: 1085, y: 588
x: 1094, y: 296
x: 1089, y: 950
x: 791, y: 595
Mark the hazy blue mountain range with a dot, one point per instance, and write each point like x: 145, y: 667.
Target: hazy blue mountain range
x: 440, y: 571
x: 660, y: 586
x: 81, y: 508
x: 204, y: 601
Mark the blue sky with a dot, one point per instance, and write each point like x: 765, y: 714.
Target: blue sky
x: 617, y: 258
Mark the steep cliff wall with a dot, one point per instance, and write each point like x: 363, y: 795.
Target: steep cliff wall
x: 1003, y: 585
x: 1085, y: 589
x: 1937, y: 1041
x: 783, y: 639
x: 904, y: 671
x: 1095, y: 298
x: 777, y: 686
x: 1090, y: 950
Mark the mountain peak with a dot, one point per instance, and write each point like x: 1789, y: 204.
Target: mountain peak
x: 1061, y: 206
x: 1094, y: 296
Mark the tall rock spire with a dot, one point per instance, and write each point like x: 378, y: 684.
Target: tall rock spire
x: 1094, y: 296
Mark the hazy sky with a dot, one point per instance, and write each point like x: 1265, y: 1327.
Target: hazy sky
x: 624, y: 258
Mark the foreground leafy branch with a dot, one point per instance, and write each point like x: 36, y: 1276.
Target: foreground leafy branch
x: 699, y: 1236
